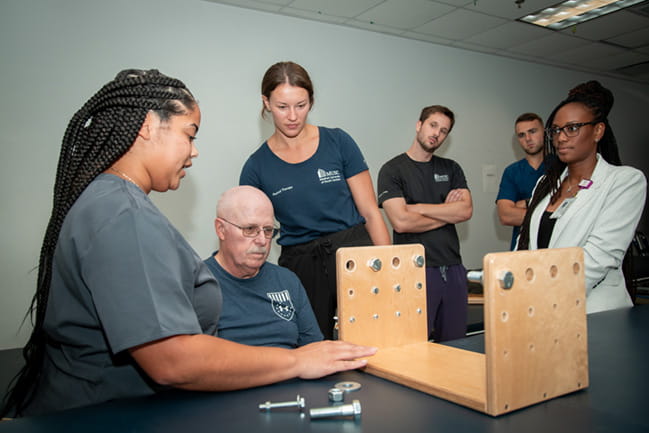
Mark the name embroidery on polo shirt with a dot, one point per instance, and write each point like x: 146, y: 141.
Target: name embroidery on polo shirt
x: 441, y: 177
x: 281, y: 190
x: 282, y: 304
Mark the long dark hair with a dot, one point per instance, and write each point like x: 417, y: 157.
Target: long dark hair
x: 97, y: 136
x: 599, y: 100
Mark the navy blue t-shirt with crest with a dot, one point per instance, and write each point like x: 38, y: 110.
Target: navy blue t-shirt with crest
x: 268, y: 309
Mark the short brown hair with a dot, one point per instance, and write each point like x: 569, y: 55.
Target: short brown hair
x: 528, y: 117
x: 427, y: 111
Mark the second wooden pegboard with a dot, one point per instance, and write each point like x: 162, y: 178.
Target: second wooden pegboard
x: 384, y: 291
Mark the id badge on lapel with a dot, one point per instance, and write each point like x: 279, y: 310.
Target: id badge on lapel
x: 563, y: 207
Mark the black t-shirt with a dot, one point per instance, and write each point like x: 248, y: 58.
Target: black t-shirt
x: 546, y: 227
x: 424, y: 182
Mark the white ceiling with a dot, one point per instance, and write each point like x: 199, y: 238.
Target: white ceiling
x: 614, y: 45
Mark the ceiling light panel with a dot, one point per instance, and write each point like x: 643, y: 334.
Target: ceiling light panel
x: 572, y: 12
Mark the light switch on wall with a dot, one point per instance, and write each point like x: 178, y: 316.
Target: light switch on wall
x: 489, y: 179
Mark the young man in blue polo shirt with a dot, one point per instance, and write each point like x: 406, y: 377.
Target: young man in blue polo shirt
x: 519, y: 178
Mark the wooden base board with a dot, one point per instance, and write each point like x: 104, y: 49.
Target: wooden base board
x: 447, y: 372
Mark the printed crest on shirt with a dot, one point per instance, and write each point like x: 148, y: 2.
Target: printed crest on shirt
x: 441, y: 177
x: 329, y: 176
x: 282, y: 304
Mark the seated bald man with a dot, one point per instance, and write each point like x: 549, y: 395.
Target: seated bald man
x: 263, y: 304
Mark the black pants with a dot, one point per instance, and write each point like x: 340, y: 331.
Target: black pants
x: 314, y: 263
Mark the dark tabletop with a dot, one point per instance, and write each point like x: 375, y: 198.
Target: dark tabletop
x: 616, y: 400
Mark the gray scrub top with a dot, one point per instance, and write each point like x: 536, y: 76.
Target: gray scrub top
x: 122, y: 276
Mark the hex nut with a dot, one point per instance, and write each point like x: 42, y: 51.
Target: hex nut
x: 336, y: 395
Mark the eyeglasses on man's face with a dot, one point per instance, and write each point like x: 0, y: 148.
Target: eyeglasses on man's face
x: 253, y: 231
x: 571, y: 129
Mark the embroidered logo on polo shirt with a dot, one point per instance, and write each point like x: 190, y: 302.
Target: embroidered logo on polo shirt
x: 282, y: 304
x: 441, y: 177
x: 329, y: 176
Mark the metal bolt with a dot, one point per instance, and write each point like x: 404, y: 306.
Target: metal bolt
x: 375, y: 290
x: 375, y: 264
x: 474, y: 276
x: 299, y: 402
x: 419, y: 261
x: 506, y: 280
x: 397, y: 288
x: 353, y: 409
x: 336, y: 394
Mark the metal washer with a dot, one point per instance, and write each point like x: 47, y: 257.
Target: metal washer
x: 348, y: 386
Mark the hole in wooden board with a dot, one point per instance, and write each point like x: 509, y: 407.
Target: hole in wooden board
x: 396, y: 262
x: 504, y: 316
x: 350, y: 265
x: 554, y: 271
x: 530, y: 311
x: 350, y: 292
x: 529, y: 274
x: 576, y: 268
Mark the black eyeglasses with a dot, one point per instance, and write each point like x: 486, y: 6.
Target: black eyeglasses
x: 571, y: 130
x: 253, y: 231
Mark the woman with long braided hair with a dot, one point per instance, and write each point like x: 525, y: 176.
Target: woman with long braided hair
x: 587, y: 198
x: 124, y: 306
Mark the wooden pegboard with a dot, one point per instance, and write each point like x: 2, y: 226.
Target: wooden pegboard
x: 535, y: 332
x: 382, y: 307
x: 535, y: 328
